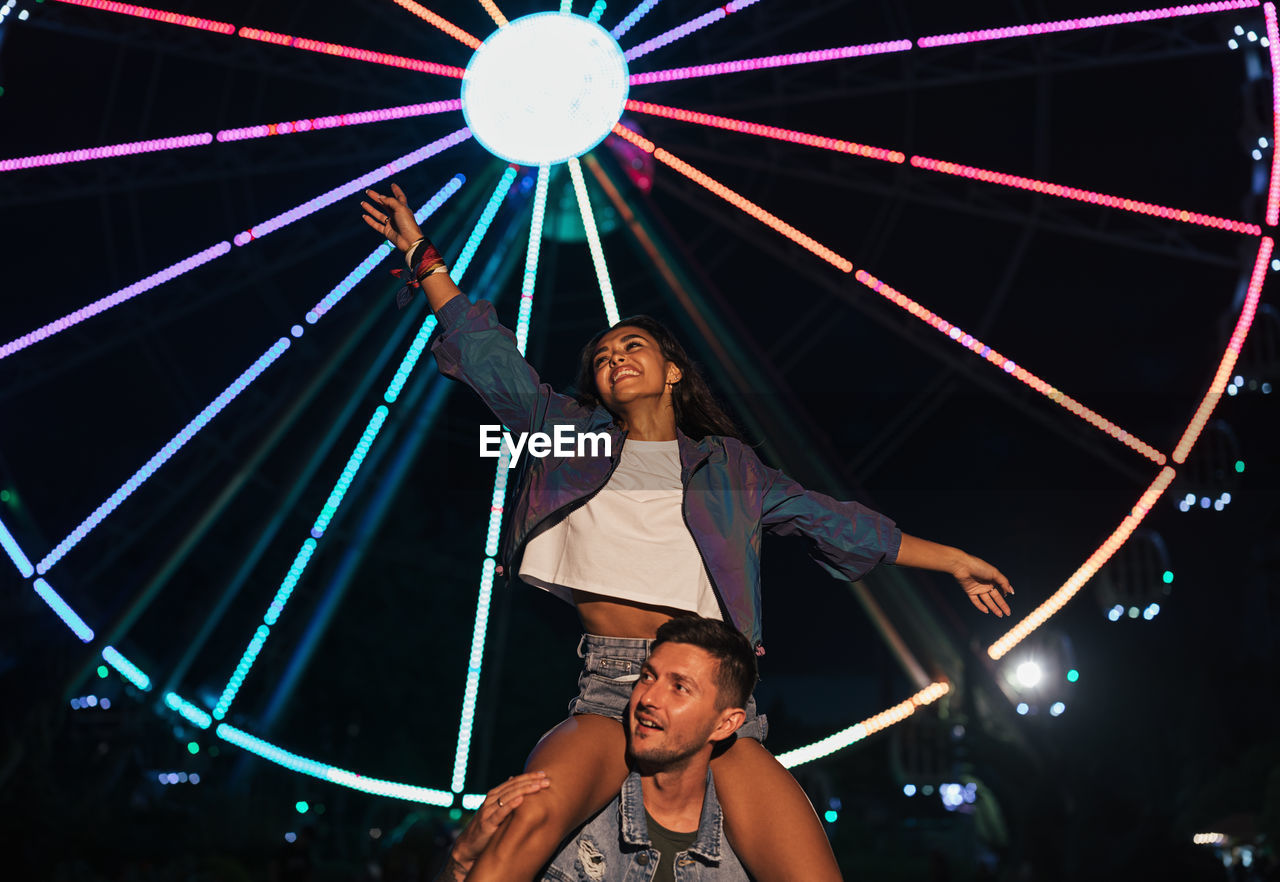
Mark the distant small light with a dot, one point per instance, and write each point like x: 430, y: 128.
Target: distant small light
x: 173, y: 777
x: 193, y: 748
x: 1133, y: 612
x: 162, y: 778
x: 1257, y: 154
x: 1155, y: 609
x: 1217, y: 505
x: 1168, y: 577
x: 23, y: 15
x: 927, y: 790
x: 1239, y: 31
x: 91, y: 701
x: 909, y: 789
x: 1184, y: 506
x: 1275, y: 263
x: 195, y: 778
x: 1226, y: 497
x: 301, y: 806
x: 1252, y: 36
x: 1231, y: 390
x: 830, y: 816
x: 1233, y: 44
x: 1147, y: 614
x: 1114, y: 613
x: 1266, y: 388
x: 1264, y: 42
x: 1023, y: 708
x: 75, y: 704
x: 1190, y: 498
x: 455, y: 814
x: 1238, y: 380
x: 103, y: 672
x: 182, y: 777
x: 296, y: 330
x: 291, y: 837
x: 1057, y: 708
x: 1262, y: 142
x: 375, y: 833
x: 1239, y: 466
x: 1028, y: 674
x: 1073, y: 675
x: 835, y: 803
x: 1204, y: 502
x: 105, y: 703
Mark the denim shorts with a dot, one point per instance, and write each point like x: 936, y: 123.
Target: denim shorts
x: 611, y: 666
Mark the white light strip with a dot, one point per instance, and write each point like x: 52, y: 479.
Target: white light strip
x: 593, y: 241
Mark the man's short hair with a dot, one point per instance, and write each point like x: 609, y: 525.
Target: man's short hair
x: 736, y: 673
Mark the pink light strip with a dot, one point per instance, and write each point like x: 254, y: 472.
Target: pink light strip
x: 1076, y: 24
x: 115, y: 299
x: 110, y: 151
x: 1229, y: 355
x: 1072, y: 586
x: 342, y: 119
x: 750, y: 128
x: 351, y: 52
x: 686, y: 29
x: 1273, y: 49
x: 187, y: 21
x: 767, y: 61
x: 937, y: 322
x: 353, y: 186
x: 1133, y: 205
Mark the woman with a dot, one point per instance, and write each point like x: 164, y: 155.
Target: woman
x: 669, y: 523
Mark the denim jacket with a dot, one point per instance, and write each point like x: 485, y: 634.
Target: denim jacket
x: 614, y: 845
x: 731, y: 498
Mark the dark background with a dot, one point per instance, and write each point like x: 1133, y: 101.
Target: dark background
x: 1171, y: 728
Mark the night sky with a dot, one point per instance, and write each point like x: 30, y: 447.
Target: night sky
x: 1171, y: 728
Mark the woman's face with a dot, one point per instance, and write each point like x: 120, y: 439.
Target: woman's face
x: 629, y: 366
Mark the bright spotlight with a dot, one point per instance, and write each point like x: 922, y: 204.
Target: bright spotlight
x: 1028, y: 674
x: 545, y: 88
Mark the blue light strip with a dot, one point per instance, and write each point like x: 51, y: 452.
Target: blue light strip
x: 632, y: 17
x: 126, y: 668
x: 684, y: 30
x: 593, y: 241
x: 162, y: 456
x: 475, y: 661
x: 380, y: 253
x: 596, y: 11
x: 325, y: 772
x: 247, y: 659
x: 64, y: 611
x: 187, y: 709
x: 419, y: 344
x: 16, y: 555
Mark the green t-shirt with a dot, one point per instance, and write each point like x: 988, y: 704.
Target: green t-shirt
x: 668, y: 844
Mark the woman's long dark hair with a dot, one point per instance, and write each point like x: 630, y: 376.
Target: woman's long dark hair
x: 698, y: 414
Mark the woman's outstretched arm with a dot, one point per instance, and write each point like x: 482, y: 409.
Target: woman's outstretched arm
x: 985, y: 585
x: 392, y: 217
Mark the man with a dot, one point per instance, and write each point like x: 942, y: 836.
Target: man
x: 666, y: 823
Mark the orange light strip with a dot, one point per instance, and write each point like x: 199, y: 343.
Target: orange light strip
x: 351, y: 52
x: 1069, y: 589
x: 494, y: 12
x: 968, y: 341
x: 750, y: 128
x: 901, y: 300
x: 869, y: 726
x: 735, y: 199
x: 1118, y: 202
x: 1229, y: 356
x: 439, y: 21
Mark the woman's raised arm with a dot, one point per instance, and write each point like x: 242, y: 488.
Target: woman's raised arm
x: 393, y: 218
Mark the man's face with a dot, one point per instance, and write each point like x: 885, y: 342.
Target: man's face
x: 673, y: 710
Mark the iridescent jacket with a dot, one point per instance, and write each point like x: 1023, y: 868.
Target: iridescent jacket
x: 731, y: 498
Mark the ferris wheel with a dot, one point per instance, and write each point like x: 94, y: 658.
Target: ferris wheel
x: 506, y: 122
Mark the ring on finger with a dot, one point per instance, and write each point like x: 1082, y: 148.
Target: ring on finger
x: 499, y: 802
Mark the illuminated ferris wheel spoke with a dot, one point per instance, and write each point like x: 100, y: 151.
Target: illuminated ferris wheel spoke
x: 593, y: 241
x: 495, y: 13
x: 641, y: 10
x: 15, y: 552
x: 767, y: 61
x: 1273, y: 52
x: 858, y: 731
x: 684, y: 30
x: 566, y: 6
x: 480, y: 627
x: 242, y: 133
x: 935, y: 321
x: 187, y: 21
x: 440, y: 22
x: 367, y: 55
x: 1076, y: 24
x: 597, y: 10
x: 763, y: 131
x: 1117, y: 202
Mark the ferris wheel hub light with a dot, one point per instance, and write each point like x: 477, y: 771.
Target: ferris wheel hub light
x: 1028, y: 674
x: 544, y: 88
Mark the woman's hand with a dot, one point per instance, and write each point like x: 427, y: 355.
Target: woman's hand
x: 497, y: 805
x: 392, y: 218
x: 983, y: 583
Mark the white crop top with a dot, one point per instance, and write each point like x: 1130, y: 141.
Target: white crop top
x: 629, y: 541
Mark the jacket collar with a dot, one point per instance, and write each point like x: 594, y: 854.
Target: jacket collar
x: 635, y: 829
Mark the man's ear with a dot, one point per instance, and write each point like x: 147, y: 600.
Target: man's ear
x: 731, y: 720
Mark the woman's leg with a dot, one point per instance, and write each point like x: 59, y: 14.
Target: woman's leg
x: 769, y: 820
x: 585, y: 761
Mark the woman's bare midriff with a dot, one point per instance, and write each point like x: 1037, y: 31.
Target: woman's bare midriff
x: 613, y: 618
